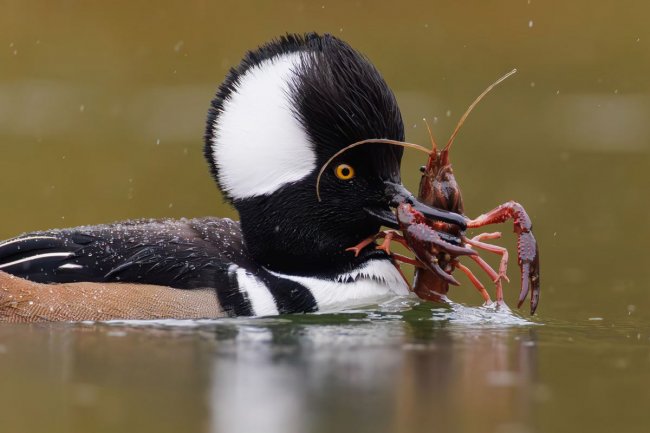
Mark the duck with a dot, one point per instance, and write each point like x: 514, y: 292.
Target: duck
x: 288, y: 107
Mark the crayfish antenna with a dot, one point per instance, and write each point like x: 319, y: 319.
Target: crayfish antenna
x: 434, y: 146
x: 472, y: 105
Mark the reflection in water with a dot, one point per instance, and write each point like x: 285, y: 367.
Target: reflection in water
x: 403, y: 371
x: 96, y: 378
x: 480, y: 372
x: 369, y: 372
x: 250, y: 392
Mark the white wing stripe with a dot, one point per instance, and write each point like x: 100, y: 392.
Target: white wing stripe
x: 36, y: 257
x: 29, y: 238
x: 70, y: 266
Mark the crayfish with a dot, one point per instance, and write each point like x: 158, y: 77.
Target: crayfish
x: 438, y: 255
x: 438, y: 188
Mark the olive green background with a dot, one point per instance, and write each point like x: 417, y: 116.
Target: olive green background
x: 102, y: 110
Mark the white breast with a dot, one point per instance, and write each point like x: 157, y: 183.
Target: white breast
x: 375, y: 282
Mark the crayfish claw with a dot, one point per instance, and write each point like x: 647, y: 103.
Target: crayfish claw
x: 529, y: 264
x: 458, y: 251
x: 527, y: 249
x: 433, y: 265
x: 425, y: 234
x: 525, y: 285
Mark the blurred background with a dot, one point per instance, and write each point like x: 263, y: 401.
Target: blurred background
x: 102, y: 111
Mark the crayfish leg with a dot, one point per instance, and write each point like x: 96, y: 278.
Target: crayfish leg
x: 390, y: 236
x: 475, y: 281
x: 496, y: 279
x: 496, y: 249
x: 361, y: 245
x: 399, y: 269
x: 407, y: 260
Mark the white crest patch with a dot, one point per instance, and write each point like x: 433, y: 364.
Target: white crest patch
x: 373, y: 283
x: 258, y: 144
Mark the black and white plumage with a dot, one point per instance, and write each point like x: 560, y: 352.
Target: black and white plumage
x: 283, y: 112
x: 184, y: 254
x: 277, y: 118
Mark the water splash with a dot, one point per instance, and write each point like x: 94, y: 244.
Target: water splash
x: 487, y: 315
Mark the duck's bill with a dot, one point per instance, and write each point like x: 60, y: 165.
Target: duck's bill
x: 396, y: 194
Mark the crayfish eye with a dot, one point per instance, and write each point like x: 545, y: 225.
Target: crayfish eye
x: 344, y: 171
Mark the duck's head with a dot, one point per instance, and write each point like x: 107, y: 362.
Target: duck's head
x: 278, y: 117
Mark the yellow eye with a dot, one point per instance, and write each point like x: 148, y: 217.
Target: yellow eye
x: 344, y: 172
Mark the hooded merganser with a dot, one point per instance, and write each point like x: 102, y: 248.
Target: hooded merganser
x: 283, y: 112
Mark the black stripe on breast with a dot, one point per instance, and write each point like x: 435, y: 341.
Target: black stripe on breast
x: 290, y: 296
x: 232, y: 300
